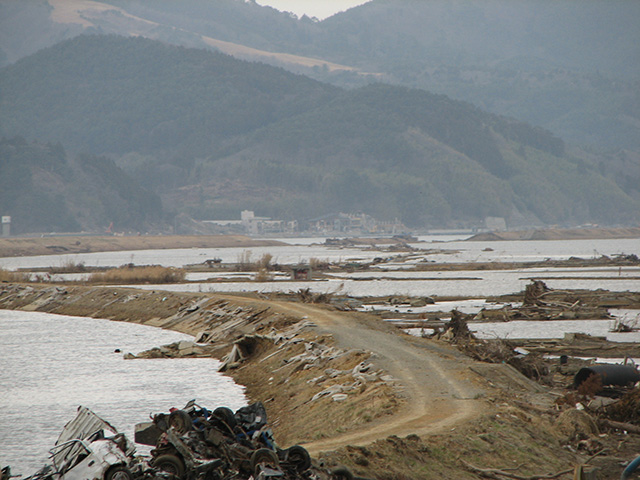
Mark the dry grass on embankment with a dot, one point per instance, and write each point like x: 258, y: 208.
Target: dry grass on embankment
x: 8, y: 276
x: 512, y: 436
x: 138, y: 275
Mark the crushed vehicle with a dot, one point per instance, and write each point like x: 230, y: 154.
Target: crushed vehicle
x: 89, y: 448
x: 192, y: 443
x: 186, y: 440
x: 226, y: 445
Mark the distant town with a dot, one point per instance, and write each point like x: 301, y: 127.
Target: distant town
x: 333, y: 224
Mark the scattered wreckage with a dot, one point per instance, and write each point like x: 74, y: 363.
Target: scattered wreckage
x: 188, y: 440
x: 192, y: 443
x: 90, y: 448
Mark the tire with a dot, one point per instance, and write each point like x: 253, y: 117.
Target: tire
x: 226, y: 415
x: 263, y: 457
x: 180, y: 421
x: 119, y: 472
x: 298, y: 458
x: 170, y: 464
x: 341, y: 473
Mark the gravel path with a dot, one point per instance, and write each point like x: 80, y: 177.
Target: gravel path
x: 440, y: 388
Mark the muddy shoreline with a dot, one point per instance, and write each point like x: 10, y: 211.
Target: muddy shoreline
x: 73, y: 244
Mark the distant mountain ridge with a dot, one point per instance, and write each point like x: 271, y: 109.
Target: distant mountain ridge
x: 569, y: 66
x: 212, y: 135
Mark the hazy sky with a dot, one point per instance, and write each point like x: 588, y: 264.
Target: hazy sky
x: 312, y: 8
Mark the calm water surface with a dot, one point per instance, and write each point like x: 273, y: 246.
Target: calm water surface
x: 51, y: 364
x: 455, y: 251
x: 464, y: 284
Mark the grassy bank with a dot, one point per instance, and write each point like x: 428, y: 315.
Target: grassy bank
x: 135, y: 275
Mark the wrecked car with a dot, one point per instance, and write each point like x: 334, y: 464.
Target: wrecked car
x: 195, y: 439
x: 89, y: 448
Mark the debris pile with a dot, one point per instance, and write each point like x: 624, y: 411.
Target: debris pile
x: 181, y: 349
x: 227, y: 444
x: 457, y: 332
x: 192, y: 443
x: 352, y: 381
x: 610, y: 393
x: 540, y: 302
x: 305, y: 295
x: 626, y: 409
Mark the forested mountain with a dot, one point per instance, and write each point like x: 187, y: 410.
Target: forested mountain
x: 396, y: 152
x: 212, y: 135
x: 117, y: 95
x: 44, y: 190
x: 572, y: 67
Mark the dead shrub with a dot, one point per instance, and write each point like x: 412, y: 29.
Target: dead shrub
x: 70, y: 266
x: 131, y: 274
x: 490, y: 351
x: 263, y: 275
x: 8, y: 276
x: 243, y: 263
x: 627, y: 409
x: 532, y: 366
x: 591, y: 386
x: 265, y: 262
x: 317, y: 264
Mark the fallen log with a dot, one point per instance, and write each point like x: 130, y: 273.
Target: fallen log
x: 629, y: 427
x: 502, y: 474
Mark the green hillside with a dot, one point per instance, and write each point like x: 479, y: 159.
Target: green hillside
x: 396, y: 152
x: 109, y: 94
x: 44, y: 190
x: 212, y: 135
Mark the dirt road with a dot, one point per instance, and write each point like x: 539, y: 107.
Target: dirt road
x: 441, y: 391
x: 440, y: 388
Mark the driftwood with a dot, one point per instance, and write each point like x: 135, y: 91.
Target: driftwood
x: 537, y: 305
x: 629, y: 427
x: 502, y: 474
x: 533, y: 291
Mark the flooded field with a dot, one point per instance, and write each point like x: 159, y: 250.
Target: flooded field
x: 464, y: 284
x: 51, y: 364
x: 551, y: 329
x: 436, y: 249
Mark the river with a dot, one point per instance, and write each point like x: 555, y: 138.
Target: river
x: 51, y: 364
